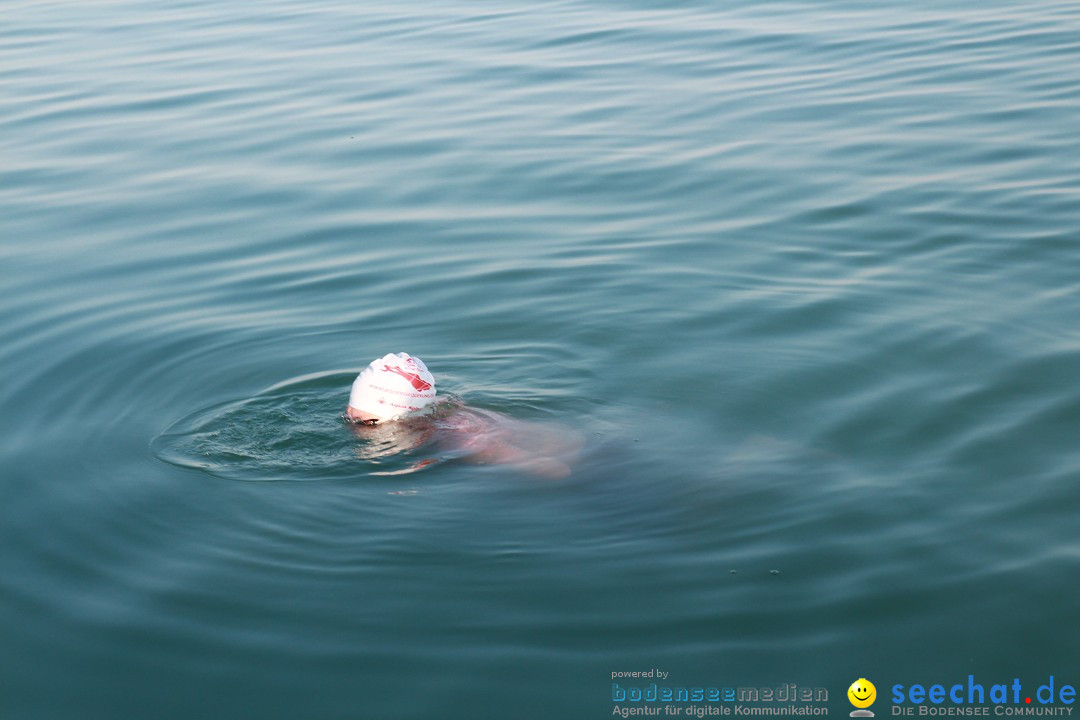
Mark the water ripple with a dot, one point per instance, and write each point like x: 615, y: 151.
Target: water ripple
x: 804, y: 273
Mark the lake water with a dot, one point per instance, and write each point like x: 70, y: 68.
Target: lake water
x: 804, y: 276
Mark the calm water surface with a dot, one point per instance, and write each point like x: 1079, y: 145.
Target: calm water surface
x: 804, y: 275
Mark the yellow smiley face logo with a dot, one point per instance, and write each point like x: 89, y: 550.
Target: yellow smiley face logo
x: 862, y: 693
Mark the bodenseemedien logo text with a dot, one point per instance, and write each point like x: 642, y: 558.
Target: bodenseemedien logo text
x: 788, y: 692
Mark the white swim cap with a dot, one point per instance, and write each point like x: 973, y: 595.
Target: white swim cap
x: 392, y: 386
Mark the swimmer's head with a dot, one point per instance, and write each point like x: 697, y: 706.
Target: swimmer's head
x: 390, y: 387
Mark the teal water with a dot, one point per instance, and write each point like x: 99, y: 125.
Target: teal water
x: 804, y: 275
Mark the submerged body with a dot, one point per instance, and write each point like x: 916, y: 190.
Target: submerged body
x: 484, y: 436
x: 458, y: 433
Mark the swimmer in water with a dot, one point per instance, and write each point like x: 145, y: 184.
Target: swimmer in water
x: 393, y: 389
